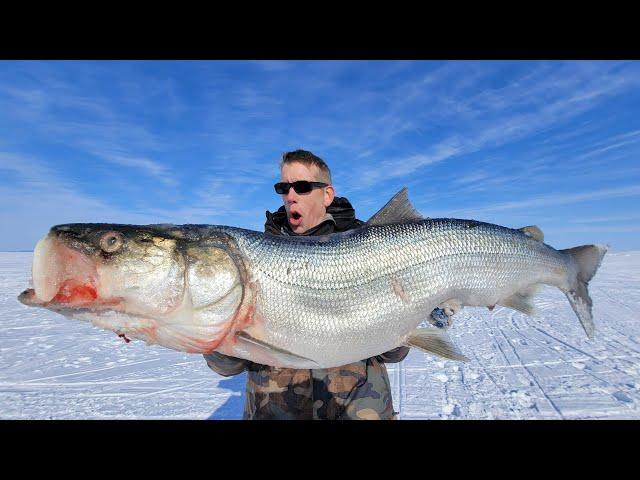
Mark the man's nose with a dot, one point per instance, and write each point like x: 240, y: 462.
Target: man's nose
x: 291, y: 196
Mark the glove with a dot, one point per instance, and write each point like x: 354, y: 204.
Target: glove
x: 224, y: 364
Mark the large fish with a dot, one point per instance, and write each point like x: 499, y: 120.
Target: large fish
x: 300, y: 302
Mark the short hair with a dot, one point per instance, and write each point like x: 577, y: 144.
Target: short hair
x: 307, y: 158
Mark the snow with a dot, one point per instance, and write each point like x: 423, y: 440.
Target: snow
x: 520, y: 367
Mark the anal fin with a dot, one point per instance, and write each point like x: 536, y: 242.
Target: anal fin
x: 522, y: 300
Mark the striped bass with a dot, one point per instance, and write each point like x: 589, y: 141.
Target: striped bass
x: 300, y: 302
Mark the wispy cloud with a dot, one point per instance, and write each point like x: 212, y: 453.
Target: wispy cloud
x: 472, y: 178
x: 595, y: 229
x: 556, y: 200
x: 403, y: 167
x: 631, y: 138
x: 28, y: 170
x: 39, y: 197
x: 608, y: 218
x: 152, y: 168
x: 564, y: 97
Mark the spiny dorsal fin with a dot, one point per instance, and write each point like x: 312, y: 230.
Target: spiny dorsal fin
x: 397, y: 210
x: 534, y: 232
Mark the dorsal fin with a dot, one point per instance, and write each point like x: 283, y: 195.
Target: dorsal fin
x: 397, y: 210
x: 534, y: 232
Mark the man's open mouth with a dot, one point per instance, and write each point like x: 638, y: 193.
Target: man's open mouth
x: 295, y: 219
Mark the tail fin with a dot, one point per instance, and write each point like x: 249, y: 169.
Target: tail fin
x: 588, y: 259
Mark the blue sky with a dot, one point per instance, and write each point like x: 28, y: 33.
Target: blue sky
x: 515, y: 143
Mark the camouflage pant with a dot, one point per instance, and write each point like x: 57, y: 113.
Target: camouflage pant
x: 358, y: 391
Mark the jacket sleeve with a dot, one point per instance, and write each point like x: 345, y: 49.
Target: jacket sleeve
x: 394, y: 356
x: 224, y: 364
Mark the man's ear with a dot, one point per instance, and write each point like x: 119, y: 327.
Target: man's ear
x: 329, y: 195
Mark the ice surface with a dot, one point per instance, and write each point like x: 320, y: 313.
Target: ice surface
x: 519, y: 368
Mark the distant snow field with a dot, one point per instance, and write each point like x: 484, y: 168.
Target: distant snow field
x: 519, y: 368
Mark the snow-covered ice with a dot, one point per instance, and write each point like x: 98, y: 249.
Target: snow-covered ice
x: 519, y: 368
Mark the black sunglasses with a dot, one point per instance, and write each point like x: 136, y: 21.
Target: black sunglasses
x: 301, y: 186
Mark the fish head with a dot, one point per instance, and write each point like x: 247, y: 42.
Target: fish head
x: 146, y: 282
x: 99, y: 266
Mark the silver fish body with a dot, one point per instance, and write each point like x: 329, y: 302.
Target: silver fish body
x: 357, y: 294
x: 300, y: 302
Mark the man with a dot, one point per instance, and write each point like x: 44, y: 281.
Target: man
x: 360, y: 390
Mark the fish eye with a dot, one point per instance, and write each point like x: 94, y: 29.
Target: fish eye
x: 111, y: 242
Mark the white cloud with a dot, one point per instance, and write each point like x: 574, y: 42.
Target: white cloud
x: 595, y: 229
x: 554, y: 200
x: 568, y: 92
x: 41, y: 198
x: 150, y: 167
x: 608, y: 218
x: 402, y: 167
x: 633, y: 139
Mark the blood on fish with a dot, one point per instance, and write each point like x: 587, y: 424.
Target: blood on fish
x: 198, y: 345
x: 72, y: 292
x: 244, y: 319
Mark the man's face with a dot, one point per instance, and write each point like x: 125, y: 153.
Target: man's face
x: 306, y: 210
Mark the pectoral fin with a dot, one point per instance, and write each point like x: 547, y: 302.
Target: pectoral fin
x: 282, y: 356
x: 434, y: 341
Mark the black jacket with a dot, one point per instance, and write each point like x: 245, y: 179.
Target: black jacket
x: 340, y: 217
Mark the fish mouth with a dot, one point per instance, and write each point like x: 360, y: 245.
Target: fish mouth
x: 63, y: 277
x: 83, y: 299
x: 28, y: 297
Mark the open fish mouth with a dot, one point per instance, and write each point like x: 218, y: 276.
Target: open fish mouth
x: 64, y: 278
x: 82, y: 299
